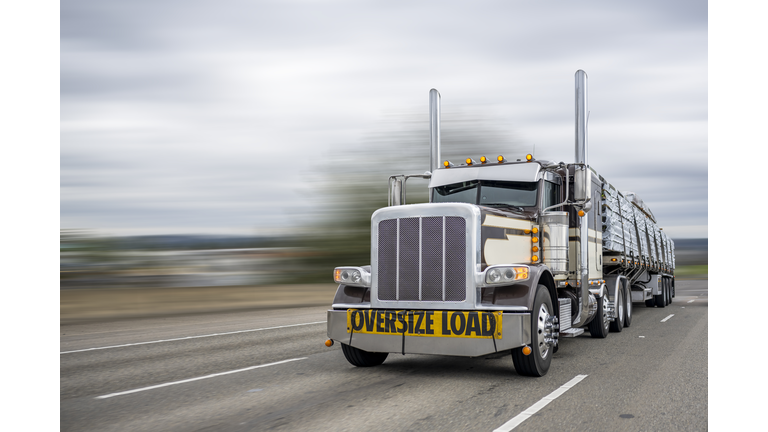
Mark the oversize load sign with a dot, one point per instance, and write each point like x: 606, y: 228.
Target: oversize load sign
x: 469, y: 324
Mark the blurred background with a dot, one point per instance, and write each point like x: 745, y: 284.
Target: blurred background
x: 236, y: 144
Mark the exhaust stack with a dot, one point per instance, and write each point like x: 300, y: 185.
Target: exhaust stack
x: 434, y: 130
x: 582, y: 178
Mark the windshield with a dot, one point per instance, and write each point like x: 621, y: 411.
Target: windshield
x: 488, y: 193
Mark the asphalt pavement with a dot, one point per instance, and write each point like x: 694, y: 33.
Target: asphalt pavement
x: 270, y: 370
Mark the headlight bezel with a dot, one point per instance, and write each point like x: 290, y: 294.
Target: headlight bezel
x: 352, y: 276
x: 505, y: 274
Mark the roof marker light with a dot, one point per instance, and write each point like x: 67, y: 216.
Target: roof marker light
x: 529, y: 157
x: 483, y: 159
x: 501, y: 159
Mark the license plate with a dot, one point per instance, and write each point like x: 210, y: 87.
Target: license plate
x: 461, y: 324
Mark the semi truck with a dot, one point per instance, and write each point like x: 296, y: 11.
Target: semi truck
x: 508, y: 255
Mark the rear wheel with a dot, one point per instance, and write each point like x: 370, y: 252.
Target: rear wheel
x: 661, y: 299
x: 628, y: 308
x: 669, y: 290
x: 598, y: 327
x: 617, y: 324
x: 362, y: 358
x: 542, y: 332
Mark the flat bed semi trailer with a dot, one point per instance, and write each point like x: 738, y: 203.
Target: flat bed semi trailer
x: 508, y: 255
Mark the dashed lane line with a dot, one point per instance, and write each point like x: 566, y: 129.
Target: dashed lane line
x: 533, y: 409
x: 196, y: 379
x: 665, y: 319
x: 191, y: 337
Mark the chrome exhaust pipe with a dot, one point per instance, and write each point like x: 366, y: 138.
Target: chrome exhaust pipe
x: 434, y: 130
x: 582, y: 113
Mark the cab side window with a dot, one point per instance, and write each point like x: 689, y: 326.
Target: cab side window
x: 551, y: 195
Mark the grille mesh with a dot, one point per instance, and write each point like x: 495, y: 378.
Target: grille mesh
x: 422, y: 259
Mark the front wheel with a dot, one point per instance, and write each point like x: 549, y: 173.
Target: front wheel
x: 362, y: 358
x: 542, y: 335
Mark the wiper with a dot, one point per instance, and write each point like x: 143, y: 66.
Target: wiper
x: 518, y: 208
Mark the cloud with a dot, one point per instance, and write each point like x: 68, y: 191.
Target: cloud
x: 171, y: 107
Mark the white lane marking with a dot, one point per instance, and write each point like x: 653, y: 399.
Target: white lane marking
x: 196, y: 379
x: 691, y: 301
x: 667, y: 318
x: 192, y: 337
x: 533, y: 409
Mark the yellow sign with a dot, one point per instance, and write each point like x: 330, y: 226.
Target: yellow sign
x: 464, y: 324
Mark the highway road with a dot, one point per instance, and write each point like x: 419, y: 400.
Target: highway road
x: 270, y: 370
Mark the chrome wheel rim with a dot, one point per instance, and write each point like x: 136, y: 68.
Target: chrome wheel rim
x: 544, y: 330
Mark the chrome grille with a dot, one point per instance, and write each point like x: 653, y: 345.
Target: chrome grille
x: 422, y: 259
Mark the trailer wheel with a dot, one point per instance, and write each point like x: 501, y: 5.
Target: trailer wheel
x: 617, y: 325
x: 362, y: 358
x: 538, y: 361
x: 628, y: 308
x: 598, y: 327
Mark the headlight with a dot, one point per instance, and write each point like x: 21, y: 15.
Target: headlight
x: 356, y: 276
x: 505, y: 274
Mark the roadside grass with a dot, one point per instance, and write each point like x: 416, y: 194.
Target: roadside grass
x: 691, y: 272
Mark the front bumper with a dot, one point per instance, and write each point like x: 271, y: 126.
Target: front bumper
x: 516, y: 333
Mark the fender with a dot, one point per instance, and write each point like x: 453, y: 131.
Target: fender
x: 613, y: 284
x: 523, y: 292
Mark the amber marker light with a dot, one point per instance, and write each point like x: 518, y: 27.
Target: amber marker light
x: 581, y: 212
x: 535, y: 239
x: 483, y: 159
x: 534, y: 258
x: 528, y: 157
x: 329, y: 343
x: 535, y: 230
x: 500, y: 159
x: 527, y: 350
x: 535, y: 249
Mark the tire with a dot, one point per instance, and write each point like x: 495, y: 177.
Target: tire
x: 362, y: 358
x: 537, y: 363
x: 628, y: 309
x: 598, y: 327
x: 650, y: 302
x: 661, y: 299
x: 617, y: 325
x: 670, y: 292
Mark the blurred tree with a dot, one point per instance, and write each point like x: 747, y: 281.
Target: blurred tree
x: 354, y: 183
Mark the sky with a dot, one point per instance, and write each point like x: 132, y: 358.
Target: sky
x: 214, y: 117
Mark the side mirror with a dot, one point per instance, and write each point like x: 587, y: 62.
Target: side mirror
x: 582, y: 188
